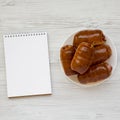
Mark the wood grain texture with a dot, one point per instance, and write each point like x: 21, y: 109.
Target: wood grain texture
x: 61, y: 18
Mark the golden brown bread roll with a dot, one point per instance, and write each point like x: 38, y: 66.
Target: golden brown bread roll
x: 101, y: 53
x: 66, y: 55
x: 96, y: 73
x: 82, y: 58
x: 95, y: 37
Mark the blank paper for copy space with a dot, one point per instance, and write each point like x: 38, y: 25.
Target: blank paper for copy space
x: 27, y: 64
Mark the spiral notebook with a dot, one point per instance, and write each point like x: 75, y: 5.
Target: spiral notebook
x: 27, y: 64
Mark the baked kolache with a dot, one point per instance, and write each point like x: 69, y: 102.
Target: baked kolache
x: 95, y: 37
x: 95, y: 73
x: 82, y: 58
x: 101, y: 53
x: 66, y: 55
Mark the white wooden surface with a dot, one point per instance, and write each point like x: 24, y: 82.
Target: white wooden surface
x: 61, y: 18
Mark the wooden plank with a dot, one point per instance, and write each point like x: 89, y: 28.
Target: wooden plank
x: 60, y: 19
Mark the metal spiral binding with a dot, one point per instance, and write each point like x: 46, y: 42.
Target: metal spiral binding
x: 24, y: 34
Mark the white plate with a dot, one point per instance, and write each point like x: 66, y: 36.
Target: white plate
x: 112, y: 61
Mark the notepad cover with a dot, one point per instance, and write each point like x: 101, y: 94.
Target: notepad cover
x: 27, y: 64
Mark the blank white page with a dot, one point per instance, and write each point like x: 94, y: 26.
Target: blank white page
x: 27, y: 64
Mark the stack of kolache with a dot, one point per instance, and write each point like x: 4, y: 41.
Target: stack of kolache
x: 87, y: 57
